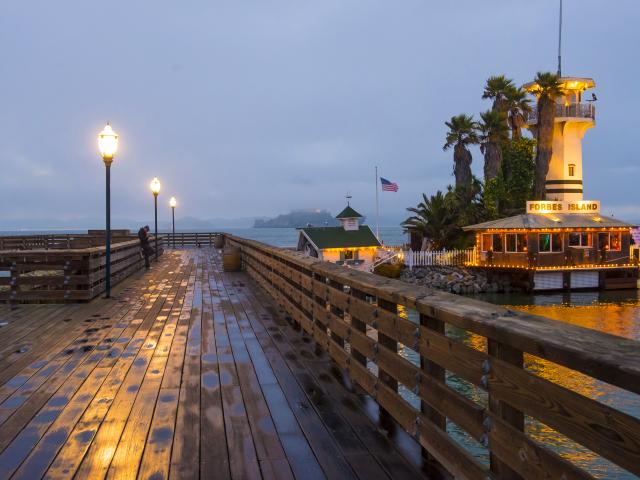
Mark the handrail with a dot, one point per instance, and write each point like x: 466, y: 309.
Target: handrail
x: 65, y: 275
x: 573, y: 110
x: 339, y: 306
x: 190, y: 239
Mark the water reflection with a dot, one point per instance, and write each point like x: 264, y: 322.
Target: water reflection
x: 617, y: 313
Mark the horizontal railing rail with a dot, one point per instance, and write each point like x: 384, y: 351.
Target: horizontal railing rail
x: 65, y: 275
x: 361, y: 320
x: 573, y: 110
x: 191, y: 239
x: 59, y: 241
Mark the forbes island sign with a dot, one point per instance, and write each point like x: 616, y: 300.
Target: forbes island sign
x: 578, y: 206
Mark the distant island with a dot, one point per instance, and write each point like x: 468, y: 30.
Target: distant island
x: 299, y: 219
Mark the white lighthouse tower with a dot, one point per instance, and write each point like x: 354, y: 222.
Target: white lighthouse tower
x: 574, y: 116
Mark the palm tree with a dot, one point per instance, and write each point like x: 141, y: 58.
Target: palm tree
x: 434, y: 220
x: 547, y: 89
x: 493, y: 131
x: 496, y: 89
x: 518, y: 108
x: 462, y: 132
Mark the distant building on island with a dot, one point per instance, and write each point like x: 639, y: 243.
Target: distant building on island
x: 298, y: 219
x: 562, y: 242
x: 351, y: 244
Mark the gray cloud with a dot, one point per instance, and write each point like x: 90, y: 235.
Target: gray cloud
x: 259, y: 107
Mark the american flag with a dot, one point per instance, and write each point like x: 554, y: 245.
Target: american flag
x: 388, y: 186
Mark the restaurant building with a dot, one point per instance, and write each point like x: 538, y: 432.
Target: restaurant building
x: 557, y: 250
x: 562, y: 242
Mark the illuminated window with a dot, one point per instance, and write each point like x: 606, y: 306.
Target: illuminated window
x: 346, y: 255
x: 515, y: 242
x: 610, y: 241
x: 580, y: 239
x: 615, y: 241
x: 487, y: 242
x: 572, y: 170
x: 491, y: 242
x: 549, y: 242
x: 497, y: 243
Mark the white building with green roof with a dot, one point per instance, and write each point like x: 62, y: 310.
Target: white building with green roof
x: 351, y: 244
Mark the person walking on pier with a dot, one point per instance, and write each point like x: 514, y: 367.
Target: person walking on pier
x: 147, y: 250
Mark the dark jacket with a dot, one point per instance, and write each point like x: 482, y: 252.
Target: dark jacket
x: 144, y: 238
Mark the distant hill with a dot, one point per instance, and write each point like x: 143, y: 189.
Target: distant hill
x: 299, y: 219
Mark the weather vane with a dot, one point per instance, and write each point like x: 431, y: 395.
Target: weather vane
x: 348, y: 197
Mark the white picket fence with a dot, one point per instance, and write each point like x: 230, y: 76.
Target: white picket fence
x: 443, y: 258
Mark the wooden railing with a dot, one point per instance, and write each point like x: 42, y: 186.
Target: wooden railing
x: 94, y: 238
x: 65, y: 274
x: 357, y: 317
x: 448, y: 258
x: 190, y: 239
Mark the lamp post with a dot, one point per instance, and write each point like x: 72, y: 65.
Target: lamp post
x: 155, y: 189
x: 172, y: 204
x: 108, y: 145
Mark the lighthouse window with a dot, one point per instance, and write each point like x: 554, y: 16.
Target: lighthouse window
x: 549, y: 242
x: 572, y: 170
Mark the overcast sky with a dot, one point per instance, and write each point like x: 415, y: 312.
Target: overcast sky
x: 257, y: 107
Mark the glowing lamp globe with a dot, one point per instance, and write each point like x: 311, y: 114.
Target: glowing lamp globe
x: 173, y: 202
x: 155, y: 186
x: 108, y: 143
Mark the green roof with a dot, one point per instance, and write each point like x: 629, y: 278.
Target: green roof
x: 338, y: 237
x: 348, y: 213
x: 550, y: 221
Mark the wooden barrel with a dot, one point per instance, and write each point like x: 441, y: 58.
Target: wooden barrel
x: 218, y: 241
x: 231, y: 259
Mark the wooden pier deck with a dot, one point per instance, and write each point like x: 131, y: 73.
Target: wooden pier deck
x: 188, y: 372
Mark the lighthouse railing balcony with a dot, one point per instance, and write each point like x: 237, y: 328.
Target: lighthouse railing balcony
x: 573, y: 110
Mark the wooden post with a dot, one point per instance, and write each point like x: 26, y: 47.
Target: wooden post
x: 360, y: 326
x: 392, y: 345
x: 433, y: 370
x: 436, y: 372
x: 513, y: 417
x: 336, y: 311
x: 13, y: 296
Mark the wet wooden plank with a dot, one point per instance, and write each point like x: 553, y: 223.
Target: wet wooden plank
x: 128, y: 454
x: 106, y: 416
x: 243, y: 458
x: 324, y: 446
x: 263, y: 430
x: 214, y: 455
x: 185, y: 382
x: 156, y: 459
x: 185, y: 457
x: 313, y: 370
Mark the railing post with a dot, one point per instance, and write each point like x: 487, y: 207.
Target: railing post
x: 510, y: 415
x: 336, y: 311
x: 392, y: 345
x: 13, y: 296
x: 360, y: 326
x: 436, y: 372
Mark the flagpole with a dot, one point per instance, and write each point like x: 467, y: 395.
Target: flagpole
x: 377, y: 208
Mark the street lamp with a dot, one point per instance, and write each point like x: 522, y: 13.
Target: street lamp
x: 172, y: 204
x: 155, y: 189
x: 108, y: 146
